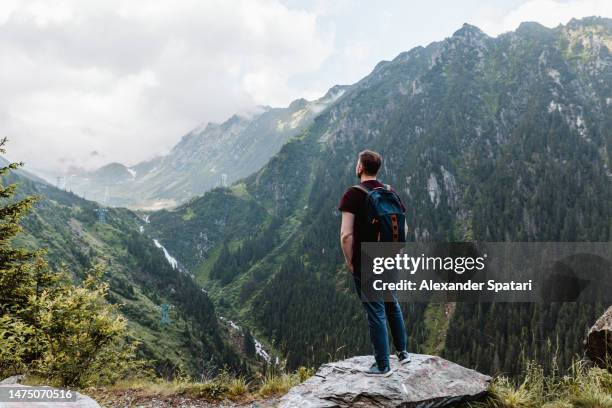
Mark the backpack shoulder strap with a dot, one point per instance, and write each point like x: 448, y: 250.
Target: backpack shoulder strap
x: 388, y: 187
x: 362, y: 188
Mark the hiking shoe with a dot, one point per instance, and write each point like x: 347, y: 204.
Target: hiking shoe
x: 403, y: 357
x: 375, y: 371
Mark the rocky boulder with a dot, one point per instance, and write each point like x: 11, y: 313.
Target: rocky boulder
x: 81, y: 401
x: 425, y: 382
x: 598, y: 343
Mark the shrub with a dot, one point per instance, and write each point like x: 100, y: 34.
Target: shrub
x: 304, y: 373
x: 83, y: 339
x: 16, y: 344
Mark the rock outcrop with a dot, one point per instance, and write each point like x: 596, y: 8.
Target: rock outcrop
x: 425, y: 382
x: 81, y: 401
x: 598, y: 343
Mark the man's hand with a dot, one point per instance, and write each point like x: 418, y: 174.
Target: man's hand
x: 346, y: 238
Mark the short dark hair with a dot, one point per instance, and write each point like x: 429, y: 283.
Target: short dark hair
x: 370, y: 161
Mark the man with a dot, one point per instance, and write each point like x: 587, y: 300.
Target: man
x: 355, y: 229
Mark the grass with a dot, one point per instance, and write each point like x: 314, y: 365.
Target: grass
x: 278, y: 384
x: 237, y: 387
x: 223, y: 387
x: 582, y: 387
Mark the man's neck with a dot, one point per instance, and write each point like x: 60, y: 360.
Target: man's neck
x: 365, y: 177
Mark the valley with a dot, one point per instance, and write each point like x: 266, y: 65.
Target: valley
x: 485, y: 138
x: 168, y: 313
x: 493, y: 139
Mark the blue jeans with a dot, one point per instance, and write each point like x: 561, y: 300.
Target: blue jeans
x: 379, y: 312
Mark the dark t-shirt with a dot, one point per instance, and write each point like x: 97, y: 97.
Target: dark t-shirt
x: 354, y: 201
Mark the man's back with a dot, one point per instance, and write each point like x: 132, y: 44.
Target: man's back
x: 354, y: 202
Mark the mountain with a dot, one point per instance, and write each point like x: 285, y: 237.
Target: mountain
x: 170, y: 315
x: 23, y: 173
x: 491, y: 139
x: 206, y: 157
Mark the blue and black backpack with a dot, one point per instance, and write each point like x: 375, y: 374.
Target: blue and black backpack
x: 384, y: 212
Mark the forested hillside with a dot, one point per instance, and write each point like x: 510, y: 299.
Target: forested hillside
x: 166, y: 310
x: 493, y: 139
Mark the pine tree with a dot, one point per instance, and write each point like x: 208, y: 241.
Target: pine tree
x: 249, y: 344
x: 16, y: 264
x: 23, y: 274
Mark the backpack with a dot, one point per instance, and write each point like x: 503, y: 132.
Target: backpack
x: 383, y: 209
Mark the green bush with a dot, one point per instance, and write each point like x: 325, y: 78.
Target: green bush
x: 68, y: 335
x: 83, y: 338
x: 16, y: 344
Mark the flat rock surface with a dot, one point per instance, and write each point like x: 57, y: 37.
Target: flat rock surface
x: 427, y: 381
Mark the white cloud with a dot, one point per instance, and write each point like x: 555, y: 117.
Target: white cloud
x: 358, y: 51
x: 126, y: 79
x: 546, y: 12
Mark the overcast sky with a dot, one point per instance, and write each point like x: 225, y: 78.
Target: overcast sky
x: 84, y: 83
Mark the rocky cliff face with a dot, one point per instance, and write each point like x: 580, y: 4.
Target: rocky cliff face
x: 598, y: 343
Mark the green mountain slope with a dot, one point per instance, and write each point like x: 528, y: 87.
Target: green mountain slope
x: 188, y: 336
x: 494, y: 139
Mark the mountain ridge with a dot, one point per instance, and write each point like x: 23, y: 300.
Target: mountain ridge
x: 210, y: 155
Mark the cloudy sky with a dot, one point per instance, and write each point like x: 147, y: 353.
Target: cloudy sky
x: 84, y: 83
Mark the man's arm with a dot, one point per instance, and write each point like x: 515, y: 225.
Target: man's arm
x: 346, y: 237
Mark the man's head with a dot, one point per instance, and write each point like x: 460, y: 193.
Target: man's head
x: 368, y: 163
